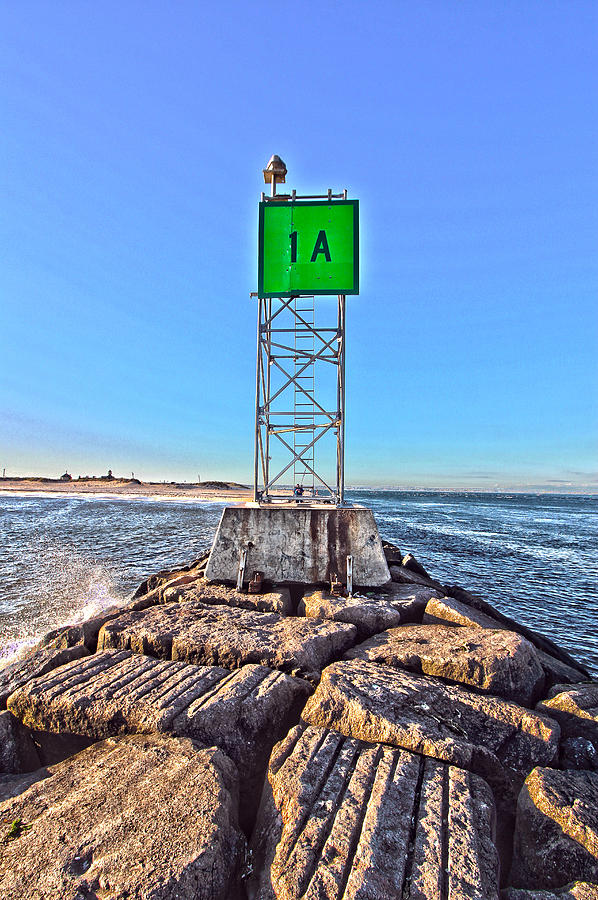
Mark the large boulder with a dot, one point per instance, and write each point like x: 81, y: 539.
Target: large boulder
x: 448, y: 611
x: 496, y: 662
x: 557, y: 671
x: 368, y: 616
x: 194, y: 569
x: 34, y: 664
x: 540, y: 641
x: 223, y: 636
x: 576, y: 711
x: 343, y: 818
x: 578, y: 753
x: 18, y: 753
x: 380, y: 704
x: 370, y: 613
x: 556, y: 836
x: 243, y: 712
x: 278, y: 601
x: 135, y: 817
x: 394, y: 556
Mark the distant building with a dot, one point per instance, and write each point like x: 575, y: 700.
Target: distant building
x: 66, y: 477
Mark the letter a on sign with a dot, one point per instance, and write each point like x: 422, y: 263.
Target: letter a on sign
x: 308, y: 247
x: 321, y: 247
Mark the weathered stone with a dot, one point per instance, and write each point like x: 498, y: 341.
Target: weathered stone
x: 135, y: 817
x: 85, y: 633
x: 413, y: 598
x: 17, y: 750
x: 344, y: 819
x: 296, y: 544
x: 579, y: 890
x: 448, y: 611
x: 369, y: 614
x: 575, y: 709
x: 158, y: 579
x: 540, y: 641
x: 403, y: 575
x: 556, y: 836
x: 243, y: 712
x: 37, y: 663
x: 557, y: 671
x: 578, y: 753
x: 496, y: 662
x: 380, y: 704
x: 278, y: 601
x: 393, y: 555
x: 224, y: 636
x: 409, y: 562
x: 157, y: 594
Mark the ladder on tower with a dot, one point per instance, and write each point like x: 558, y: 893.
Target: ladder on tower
x: 304, y: 395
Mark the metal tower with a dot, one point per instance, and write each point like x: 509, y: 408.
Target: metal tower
x: 297, y: 401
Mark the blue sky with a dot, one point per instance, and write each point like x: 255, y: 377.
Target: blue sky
x: 133, y: 139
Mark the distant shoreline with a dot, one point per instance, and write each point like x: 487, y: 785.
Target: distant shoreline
x: 206, y: 491
x: 217, y: 491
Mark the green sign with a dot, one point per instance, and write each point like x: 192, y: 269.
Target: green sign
x: 308, y: 247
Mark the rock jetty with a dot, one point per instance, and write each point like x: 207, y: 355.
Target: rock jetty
x: 405, y: 743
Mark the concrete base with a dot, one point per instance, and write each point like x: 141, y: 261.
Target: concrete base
x: 298, y: 544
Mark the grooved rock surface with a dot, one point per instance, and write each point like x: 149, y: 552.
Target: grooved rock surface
x: 575, y: 709
x: 37, y: 663
x: 579, y: 890
x: 378, y: 703
x: 223, y: 636
x: 343, y: 819
x: 370, y: 614
x: 17, y: 751
x: 556, y: 835
x: 136, y: 817
x: 447, y: 611
x: 496, y: 662
x: 213, y: 594
x: 243, y: 712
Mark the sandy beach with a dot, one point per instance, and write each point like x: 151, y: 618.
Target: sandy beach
x: 231, y: 493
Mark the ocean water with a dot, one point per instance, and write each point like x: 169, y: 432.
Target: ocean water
x: 535, y: 557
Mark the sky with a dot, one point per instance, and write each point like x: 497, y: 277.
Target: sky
x: 132, y: 144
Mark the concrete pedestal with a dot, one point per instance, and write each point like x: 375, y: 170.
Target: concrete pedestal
x: 292, y: 544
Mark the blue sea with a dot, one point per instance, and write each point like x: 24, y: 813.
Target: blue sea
x: 535, y: 557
